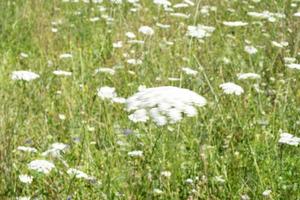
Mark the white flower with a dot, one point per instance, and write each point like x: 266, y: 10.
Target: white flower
x: 234, y: 23
x: 24, y: 178
x: 66, y: 55
x: 267, y: 193
x: 164, y: 26
x: 139, y: 115
x: 289, y: 60
x: 62, y: 73
x: 27, y: 149
x: 23, y: 198
x: 133, y: 61
x: 162, y: 2
x: 61, y: 117
x: 293, y: 66
x: 286, y: 138
x: 189, y: 71
x: 297, y: 14
x: 43, y: 166
x: 163, y: 104
x: 242, y: 76
x: 94, y: 19
x: 55, y: 149
x: 181, y: 5
x: 245, y: 197
x: 24, y: 55
x: 146, y: 30
x: 24, y: 75
x: 182, y: 15
x: 279, y: 44
x: 130, y: 35
x: 157, y: 191
x: 79, y: 174
x: 105, y: 70
x: 107, y: 92
x: 166, y: 174
x: 118, y: 44
x: 200, y: 31
x: 135, y: 153
x: 232, y: 88
x: 250, y: 49
x: 189, y: 181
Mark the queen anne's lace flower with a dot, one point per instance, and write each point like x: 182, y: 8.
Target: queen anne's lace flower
x: 79, y: 174
x: 62, y: 73
x: 25, y: 178
x: 146, y: 30
x: 24, y: 75
x: 43, y: 166
x: 200, y: 31
x: 234, y: 23
x: 109, y: 93
x: 55, y: 149
x: 293, y: 66
x: 242, y: 76
x: 286, y: 138
x: 163, y: 104
x: 232, y: 88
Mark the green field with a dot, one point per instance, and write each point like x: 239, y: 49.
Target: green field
x: 236, y: 147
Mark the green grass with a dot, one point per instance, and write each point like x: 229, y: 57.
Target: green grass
x: 226, y: 139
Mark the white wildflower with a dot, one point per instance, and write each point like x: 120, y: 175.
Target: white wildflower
x: 289, y: 60
x: 162, y: 2
x: 105, y: 70
x: 181, y: 15
x: 42, y: 166
x: 79, y: 174
x: 267, y: 193
x: 130, y: 35
x: 66, y: 55
x: 281, y: 44
x: 232, y: 88
x: 135, y: 153
x: 286, y: 138
x: 107, y: 92
x: 27, y: 149
x: 157, y: 191
x: 250, y: 50
x: 55, y: 149
x: 293, y: 66
x: 200, y: 31
x: 118, y: 44
x: 189, y: 71
x: 234, y: 23
x: 297, y: 14
x: 164, y: 26
x: 22, y: 198
x: 133, y: 61
x: 23, y: 55
x: 163, y: 104
x: 62, y: 73
x: 24, y: 75
x: 146, y: 30
x: 24, y: 178
x: 242, y: 76
x: 166, y: 174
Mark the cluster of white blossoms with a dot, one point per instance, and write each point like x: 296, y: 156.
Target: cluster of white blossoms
x: 55, y: 149
x: 79, y: 174
x: 293, y: 66
x: 146, y: 30
x: 42, y: 166
x: 109, y: 93
x: 242, y: 76
x: 200, y: 31
x: 163, y: 104
x: 234, y: 23
x: 286, y: 138
x: 62, y: 73
x: 232, y: 88
x: 24, y: 75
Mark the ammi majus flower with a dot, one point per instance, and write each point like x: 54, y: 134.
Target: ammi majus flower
x: 24, y: 75
x: 163, y: 104
x: 232, y: 88
x: 200, y: 31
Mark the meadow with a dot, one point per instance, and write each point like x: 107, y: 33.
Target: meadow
x: 149, y: 99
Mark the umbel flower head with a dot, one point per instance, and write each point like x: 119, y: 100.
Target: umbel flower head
x: 163, y: 104
x: 24, y: 75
